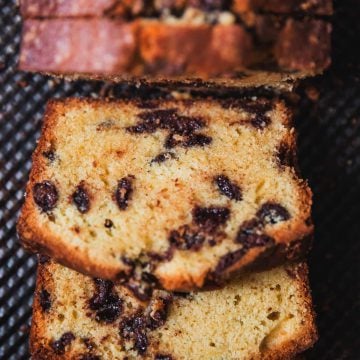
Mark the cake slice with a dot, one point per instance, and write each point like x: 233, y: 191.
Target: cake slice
x: 266, y: 315
x: 195, y: 41
x: 157, y: 8
x: 129, y: 49
x: 189, y: 190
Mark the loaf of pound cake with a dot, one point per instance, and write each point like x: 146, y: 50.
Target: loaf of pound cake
x: 263, y: 316
x: 199, y: 43
x: 156, y: 8
x: 189, y: 190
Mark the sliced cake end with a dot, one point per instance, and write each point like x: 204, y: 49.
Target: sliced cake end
x: 266, y: 315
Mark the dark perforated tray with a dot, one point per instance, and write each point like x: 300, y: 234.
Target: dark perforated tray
x: 329, y: 141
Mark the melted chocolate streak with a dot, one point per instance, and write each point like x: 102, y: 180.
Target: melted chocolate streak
x: 250, y: 234
x: 182, y: 129
x: 135, y: 328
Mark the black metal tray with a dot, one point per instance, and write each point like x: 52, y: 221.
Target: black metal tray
x: 329, y: 146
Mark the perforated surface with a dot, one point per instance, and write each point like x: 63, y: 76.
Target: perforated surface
x: 329, y: 139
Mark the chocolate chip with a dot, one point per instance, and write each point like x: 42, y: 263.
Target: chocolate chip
x: 173, y: 140
x: 45, y: 300
x: 124, y: 191
x: 183, y: 295
x: 272, y: 213
x: 250, y: 235
x: 129, y: 326
x: 170, y: 120
x: 158, y: 116
x: 157, y: 257
x: 141, y: 342
x: 152, y: 120
x: 163, y: 357
x: 89, y: 357
x: 106, y: 125
x: 248, y: 228
x: 163, y: 157
x: 228, y: 188
x: 45, y: 195
x: 50, y: 155
x: 197, y: 140
x: 183, y: 125
x: 108, y: 223
x: 90, y: 345
x: 257, y: 109
x: 157, y: 310
x: 149, y: 278
x: 127, y: 261
x: 181, y: 129
x: 260, y: 121
x: 255, y: 240
x: 140, y: 290
x: 212, y: 242
x: 210, y: 217
x: 105, y: 302
x: 228, y: 260
x: 286, y: 156
x: 60, y: 345
x: 81, y: 198
x: 134, y: 329
x: 142, y: 128
x: 186, y: 238
x: 137, y: 279
x: 142, y: 285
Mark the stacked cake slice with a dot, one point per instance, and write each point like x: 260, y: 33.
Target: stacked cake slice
x: 258, y: 316
x: 172, y: 227
x: 179, y: 195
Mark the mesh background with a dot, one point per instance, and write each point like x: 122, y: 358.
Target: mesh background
x: 329, y: 150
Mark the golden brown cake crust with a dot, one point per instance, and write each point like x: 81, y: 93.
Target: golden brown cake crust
x: 293, y: 279
x: 286, y: 242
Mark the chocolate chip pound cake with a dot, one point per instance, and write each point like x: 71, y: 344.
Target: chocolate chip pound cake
x: 258, y: 316
x: 186, y: 190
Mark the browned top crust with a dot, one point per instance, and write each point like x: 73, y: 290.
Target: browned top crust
x: 264, y: 316
x: 126, y: 8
